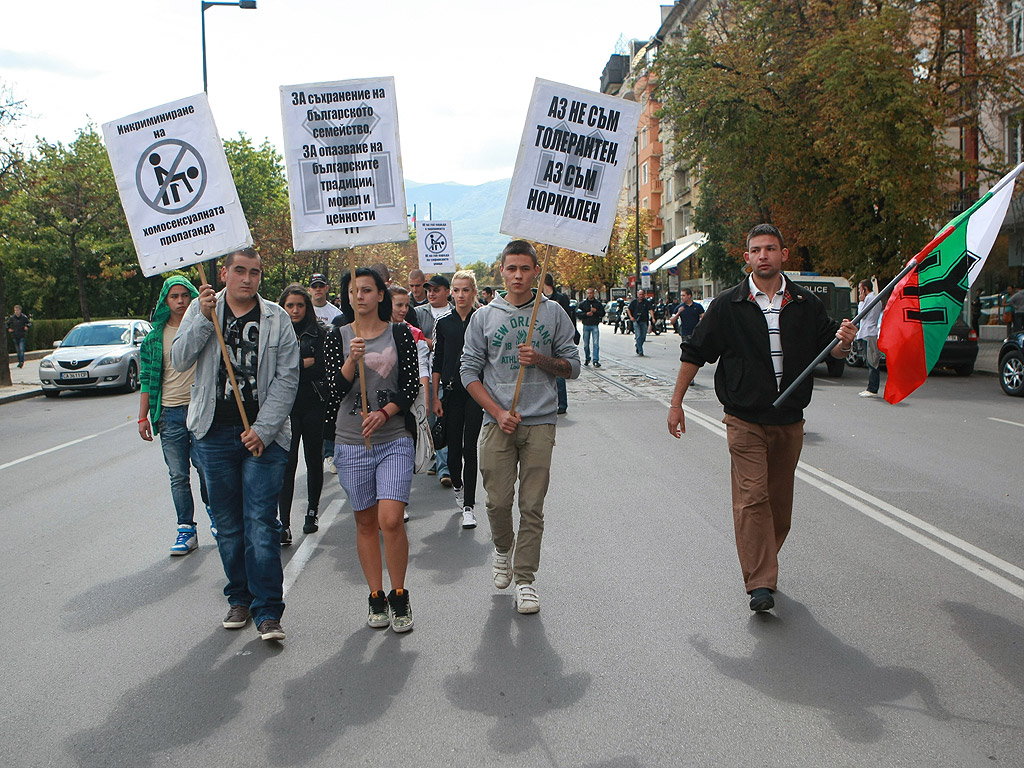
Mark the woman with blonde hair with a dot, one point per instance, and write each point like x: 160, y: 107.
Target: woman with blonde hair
x: 463, y: 415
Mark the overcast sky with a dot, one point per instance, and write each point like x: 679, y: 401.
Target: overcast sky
x: 464, y: 69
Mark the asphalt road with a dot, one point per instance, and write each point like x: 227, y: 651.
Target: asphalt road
x: 897, y: 638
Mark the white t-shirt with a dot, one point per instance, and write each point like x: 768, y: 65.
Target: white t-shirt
x: 326, y: 313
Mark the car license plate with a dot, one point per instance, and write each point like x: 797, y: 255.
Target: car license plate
x: 74, y: 375
x: 952, y: 337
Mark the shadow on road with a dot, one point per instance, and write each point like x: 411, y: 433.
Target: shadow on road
x: 114, y: 600
x: 797, y: 660
x: 992, y: 638
x: 353, y: 687
x: 181, y: 706
x: 448, y: 553
x: 517, y: 679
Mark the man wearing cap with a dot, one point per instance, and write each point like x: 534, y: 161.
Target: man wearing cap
x: 437, y: 306
x: 322, y: 308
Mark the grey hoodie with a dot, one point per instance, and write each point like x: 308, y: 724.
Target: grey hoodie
x: 491, y: 354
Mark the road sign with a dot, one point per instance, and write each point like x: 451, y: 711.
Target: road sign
x: 175, y: 185
x: 435, y: 246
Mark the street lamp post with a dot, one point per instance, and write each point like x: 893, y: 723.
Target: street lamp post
x: 249, y: 5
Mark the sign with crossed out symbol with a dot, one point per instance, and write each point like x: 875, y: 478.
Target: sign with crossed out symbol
x: 434, y: 243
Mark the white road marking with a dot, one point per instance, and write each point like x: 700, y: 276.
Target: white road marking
x: 1004, y: 421
x: 309, y: 545
x: 63, y: 445
x: 900, y: 521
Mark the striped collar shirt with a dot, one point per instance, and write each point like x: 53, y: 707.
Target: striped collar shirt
x: 770, y: 308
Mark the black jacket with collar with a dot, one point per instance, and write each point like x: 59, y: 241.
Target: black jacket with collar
x: 449, y: 338
x: 734, y: 333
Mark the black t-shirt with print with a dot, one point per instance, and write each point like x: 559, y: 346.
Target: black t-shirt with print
x: 242, y: 337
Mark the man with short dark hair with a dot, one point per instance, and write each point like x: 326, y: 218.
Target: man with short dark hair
x: 641, y: 313
x: 244, y: 468
x: 417, y: 291
x: 687, y: 314
x: 868, y: 333
x: 18, y: 325
x: 486, y: 295
x: 518, y: 444
x: 763, y: 333
x: 590, y: 311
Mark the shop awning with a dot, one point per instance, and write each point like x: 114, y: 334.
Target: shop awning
x: 680, y: 252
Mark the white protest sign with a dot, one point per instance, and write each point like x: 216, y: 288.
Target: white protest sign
x: 344, y: 163
x: 175, y: 185
x: 434, y: 242
x: 569, y: 171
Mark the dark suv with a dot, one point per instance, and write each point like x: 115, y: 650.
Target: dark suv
x: 1011, y: 365
x: 960, y: 352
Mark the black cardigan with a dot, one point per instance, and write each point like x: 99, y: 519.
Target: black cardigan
x: 449, y: 338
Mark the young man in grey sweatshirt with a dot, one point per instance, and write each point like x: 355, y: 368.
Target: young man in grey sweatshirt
x: 518, y: 443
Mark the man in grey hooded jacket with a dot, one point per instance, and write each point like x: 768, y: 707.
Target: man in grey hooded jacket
x: 518, y: 443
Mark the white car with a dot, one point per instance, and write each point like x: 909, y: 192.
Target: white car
x: 93, y: 355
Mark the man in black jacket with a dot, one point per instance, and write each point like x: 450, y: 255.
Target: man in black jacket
x: 590, y: 311
x: 763, y: 332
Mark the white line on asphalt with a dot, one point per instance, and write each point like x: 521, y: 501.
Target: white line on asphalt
x: 884, y: 514
x: 63, y: 445
x: 309, y: 545
x: 1004, y: 421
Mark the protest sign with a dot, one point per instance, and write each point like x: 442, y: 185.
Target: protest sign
x: 434, y: 242
x: 344, y: 163
x: 570, y: 167
x: 175, y: 185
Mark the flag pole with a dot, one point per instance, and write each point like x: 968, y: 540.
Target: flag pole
x: 533, y: 320
x: 353, y: 293
x: 871, y: 305
x: 224, y: 353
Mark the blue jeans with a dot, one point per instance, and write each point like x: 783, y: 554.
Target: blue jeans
x: 243, y: 494
x: 640, y: 332
x: 563, y: 397
x: 178, y: 447
x: 592, y: 337
x: 19, y: 347
x: 440, y: 455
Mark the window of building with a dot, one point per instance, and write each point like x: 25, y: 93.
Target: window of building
x: 668, y: 190
x: 1015, y: 139
x: 1015, y: 28
x: 643, y: 138
x: 643, y: 173
x: 646, y: 203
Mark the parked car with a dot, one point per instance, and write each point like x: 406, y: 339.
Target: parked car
x: 1011, y: 365
x: 959, y: 352
x: 611, y: 312
x: 102, y: 354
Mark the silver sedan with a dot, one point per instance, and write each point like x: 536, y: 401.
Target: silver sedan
x: 93, y: 355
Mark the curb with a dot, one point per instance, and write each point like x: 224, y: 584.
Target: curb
x: 13, y: 398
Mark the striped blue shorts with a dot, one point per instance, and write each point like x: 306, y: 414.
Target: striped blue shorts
x: 383, y: 472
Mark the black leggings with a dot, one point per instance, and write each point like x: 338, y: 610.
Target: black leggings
x: 464, y: 417
x: 307, y: 420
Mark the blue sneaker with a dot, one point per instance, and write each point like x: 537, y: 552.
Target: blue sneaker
x: 186, y: 541
x: 213, y: 525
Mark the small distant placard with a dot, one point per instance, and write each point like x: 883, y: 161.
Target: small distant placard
x: 344, y: 163
x: 434, y: 242
x: 570, y: 167
x: 175, y: 185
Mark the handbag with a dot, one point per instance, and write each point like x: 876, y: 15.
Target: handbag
x: 424, y: 451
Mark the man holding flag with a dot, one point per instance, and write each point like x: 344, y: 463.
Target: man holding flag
x: 763, y: 332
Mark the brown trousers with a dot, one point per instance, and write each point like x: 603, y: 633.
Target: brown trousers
x: 764, y: 459
x: 526, y: 453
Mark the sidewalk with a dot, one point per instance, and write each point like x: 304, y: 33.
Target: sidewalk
x: 26, y: 380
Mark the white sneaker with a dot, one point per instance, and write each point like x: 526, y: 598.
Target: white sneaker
x: 186, y: 541
x: 469, y: 519
x: 405, y: 515
x: 329, y: 466
x: 527, y: 600
x: 460, y: 498
x: 502, y: 568
x: 867, y: 393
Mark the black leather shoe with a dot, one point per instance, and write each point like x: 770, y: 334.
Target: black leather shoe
x: 310, y: 526
x: 761, y: 600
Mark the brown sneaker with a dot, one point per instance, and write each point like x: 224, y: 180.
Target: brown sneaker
x: 238, y: 617
x: 271, y: 629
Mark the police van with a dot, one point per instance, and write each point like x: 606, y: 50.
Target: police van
x: 836, y: 294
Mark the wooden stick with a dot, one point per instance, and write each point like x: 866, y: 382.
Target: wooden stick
x: 355, y: 327
x: 533, y: 320
x: 227, y: 358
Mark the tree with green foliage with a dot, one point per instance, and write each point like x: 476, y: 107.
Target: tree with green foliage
x: 819, y: 117
x: 11, y: 109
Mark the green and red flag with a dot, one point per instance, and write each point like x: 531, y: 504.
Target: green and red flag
x: 926, y: 302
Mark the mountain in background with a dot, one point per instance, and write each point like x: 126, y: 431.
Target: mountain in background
x: 475, y: 213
